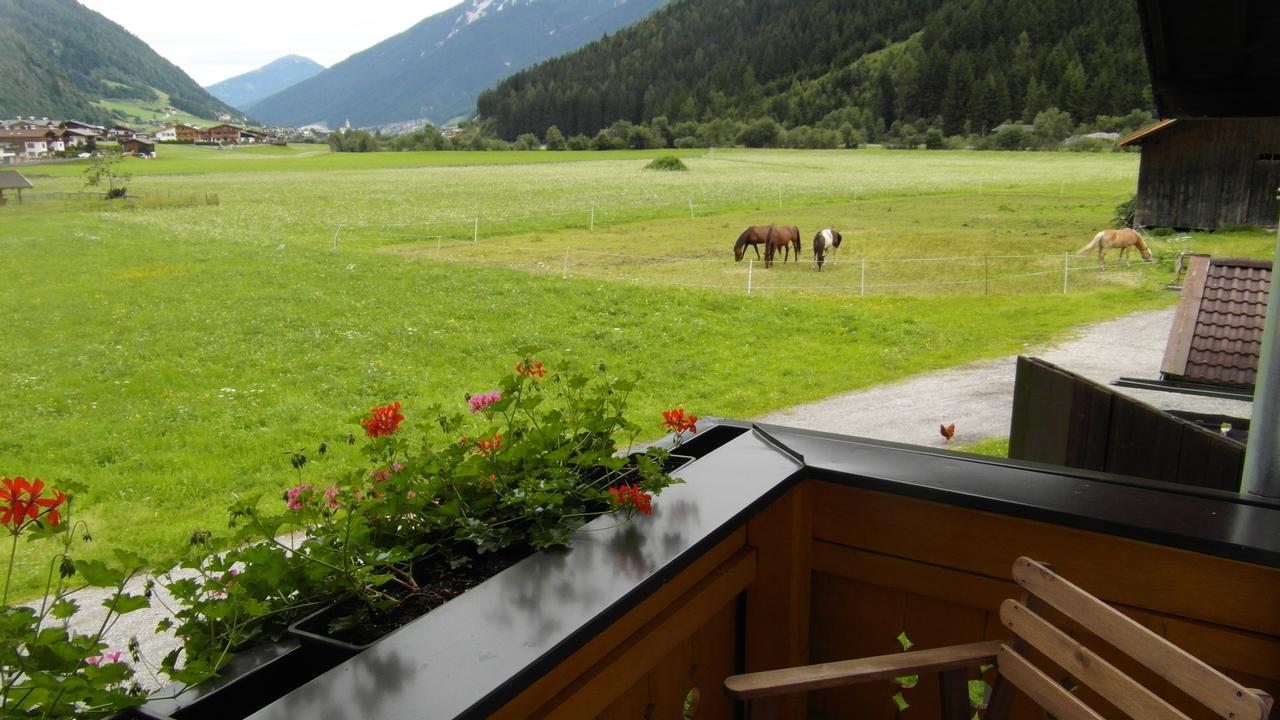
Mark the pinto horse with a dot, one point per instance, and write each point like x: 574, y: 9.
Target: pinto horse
x: 784, y: 237
x: 1123, y: 239
x: 826, y: 241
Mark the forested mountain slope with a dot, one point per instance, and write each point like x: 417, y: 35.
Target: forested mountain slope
x: 59, y: 57
x: 966, y: 65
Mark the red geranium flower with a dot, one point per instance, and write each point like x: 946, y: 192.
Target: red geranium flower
x: 676, y: 421
x: 382, y: 420
x: 488, y: 447
x: 632, y: 496
x: 21, y: 502
x: 531, y: 370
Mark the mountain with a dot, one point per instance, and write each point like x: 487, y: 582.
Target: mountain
x: 60, y: 57
x: 435, y: 69
x: 966, y: 65
x: 244, y: 90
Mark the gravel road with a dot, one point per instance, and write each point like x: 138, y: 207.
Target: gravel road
x: 978, y: 397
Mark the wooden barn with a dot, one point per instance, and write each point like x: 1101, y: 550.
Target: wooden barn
x: 1208, y: 173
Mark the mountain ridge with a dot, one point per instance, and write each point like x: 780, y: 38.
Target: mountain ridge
x: 245, y: 89
x: 434, y: 69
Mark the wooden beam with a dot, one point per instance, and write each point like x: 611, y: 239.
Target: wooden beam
x: 848, y: 672
x: 1042, y: 689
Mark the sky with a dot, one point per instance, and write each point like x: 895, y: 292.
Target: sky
x: 212, y: 45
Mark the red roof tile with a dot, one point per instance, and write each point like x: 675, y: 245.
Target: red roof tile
x: 1226, y: 339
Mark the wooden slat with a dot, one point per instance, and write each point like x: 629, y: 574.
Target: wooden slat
x: 847, y: 672
x: 1040, y: 687
x: 1218, y: 692
x: 953, y: 689
x: 1184, y: 318
x: 1136, y: 574
x: 1085, y: 665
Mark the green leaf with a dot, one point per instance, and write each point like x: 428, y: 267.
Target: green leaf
x: 904, y: 640
x: 907, y: 681
x: 900, y: 701
x: 982, y: 669
x: 96, y: 572
x: 63, y: 609
x: 979, y: 693
x: 123, y: 603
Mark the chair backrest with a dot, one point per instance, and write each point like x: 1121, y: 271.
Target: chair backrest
x: 1217, y: 692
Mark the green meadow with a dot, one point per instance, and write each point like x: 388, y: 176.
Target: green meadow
x: 171, y: 357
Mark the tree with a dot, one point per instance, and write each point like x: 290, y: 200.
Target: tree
x: 555, y: 139
x: 761, y: 133
x: 1053, y: 125
x: 526, y: 141
x: 106, y: 166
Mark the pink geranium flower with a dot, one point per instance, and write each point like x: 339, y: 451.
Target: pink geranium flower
x: 483, y: 400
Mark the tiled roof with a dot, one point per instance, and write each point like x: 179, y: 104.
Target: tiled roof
x: 1226, y: 339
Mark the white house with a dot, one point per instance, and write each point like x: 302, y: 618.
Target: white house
x: 168, y: 134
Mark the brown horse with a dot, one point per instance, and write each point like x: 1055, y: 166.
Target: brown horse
x: 1124, y: 239
x: 771, y: 236
x: 782, y: 237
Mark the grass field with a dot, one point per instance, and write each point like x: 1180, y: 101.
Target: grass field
x: 170, y: 358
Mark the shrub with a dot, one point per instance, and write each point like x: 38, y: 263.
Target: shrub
x: 666, y: 162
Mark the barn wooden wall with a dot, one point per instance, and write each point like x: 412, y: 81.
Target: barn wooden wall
x: 1209, y: 173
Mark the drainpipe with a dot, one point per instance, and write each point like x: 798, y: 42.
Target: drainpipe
x: 1262, y: 456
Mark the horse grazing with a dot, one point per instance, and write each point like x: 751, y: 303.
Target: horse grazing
x: 1124, y: 239
x: 826, y: 241
x: 753, y: 236
x: 784, y: 237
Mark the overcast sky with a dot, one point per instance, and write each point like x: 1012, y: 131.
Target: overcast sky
x: 214, y: 42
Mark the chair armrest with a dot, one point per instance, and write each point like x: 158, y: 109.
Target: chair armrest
x: 850, y: 672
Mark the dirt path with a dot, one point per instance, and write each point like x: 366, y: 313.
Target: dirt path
x: 978, y: 397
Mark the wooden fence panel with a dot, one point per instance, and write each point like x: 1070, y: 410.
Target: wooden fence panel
x: 1064, y: 419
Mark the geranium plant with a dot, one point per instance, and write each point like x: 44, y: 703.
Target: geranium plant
x: 47, y: 669
x: 431, y: 496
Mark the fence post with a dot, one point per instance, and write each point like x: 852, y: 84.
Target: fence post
x: 690, y: 208
x: 779, y: 197
x: 986, y: 275
x: 336, y: 231
x: 750, y: 268
x: 565, y: 272
x: 475, y: 230
x: 1066, y: 267
x: 592, y: 228
x: 862, y: 284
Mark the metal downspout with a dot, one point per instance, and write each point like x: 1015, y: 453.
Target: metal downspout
x: 1262, y: 456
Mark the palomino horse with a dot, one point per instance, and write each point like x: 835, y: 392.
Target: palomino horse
x: 1124, y: 239
x: 764, y: 235
x: 784, y: 237
x: 826, y: 241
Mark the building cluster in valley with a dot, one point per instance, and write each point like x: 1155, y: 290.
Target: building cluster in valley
x: 27, y: 139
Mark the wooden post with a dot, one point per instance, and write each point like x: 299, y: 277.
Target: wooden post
x: 565, y: 273
x: 779, y: 197
x: 592, y: 227
x: 750, y: 268
x: 778, y: 600
x: 1066, y: 269
x: 475, y: 230
x: 690, y: 208
x: 336, y: 232
x: 862, y: 284
x: 986, y: 275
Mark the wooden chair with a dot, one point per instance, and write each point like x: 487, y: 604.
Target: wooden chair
x: 1031, y: 631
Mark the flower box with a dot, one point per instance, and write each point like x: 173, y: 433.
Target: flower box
x: 251, y: 681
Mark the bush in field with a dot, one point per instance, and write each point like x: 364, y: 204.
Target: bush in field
x: 578, y: 142
x: 667, y: 162
x: 555, y: 139
x: 764, y: 132
x: 526, y: 141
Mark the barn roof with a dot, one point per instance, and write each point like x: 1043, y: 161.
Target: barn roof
x: 13, y: 180
x: 1213, y: 59
x: 1216, y: 336
x: 1139, y: 135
